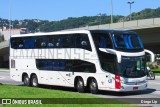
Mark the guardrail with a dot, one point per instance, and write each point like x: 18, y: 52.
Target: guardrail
x: 135, y: 24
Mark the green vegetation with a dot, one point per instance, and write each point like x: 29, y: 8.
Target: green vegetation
x: 156, y: 71
x: 1, y: 69
x: 35, y: 25
x: 8, y: 91
x: 146, y: 13
x: 155, y: 68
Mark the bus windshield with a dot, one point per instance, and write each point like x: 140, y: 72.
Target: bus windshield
x: 127, y: 41
x: 132, y: 67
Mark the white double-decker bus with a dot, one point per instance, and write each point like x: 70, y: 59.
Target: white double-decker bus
x: 85, y: 59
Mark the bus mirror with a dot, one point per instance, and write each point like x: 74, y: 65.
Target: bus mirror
x: 150, y: 57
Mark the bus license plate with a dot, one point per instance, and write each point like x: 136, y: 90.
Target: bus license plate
x: 135, y: 88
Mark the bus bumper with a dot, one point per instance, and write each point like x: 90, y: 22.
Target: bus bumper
x: 125, y: 87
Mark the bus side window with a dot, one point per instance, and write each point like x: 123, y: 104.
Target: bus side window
x: 59, y: 42
x: 55, y: 65
x: 51, y: 42
x: 17, y: 43
x: 102, y: 40
x: 82, y: 41
x: 21, y: 43
x: 105, y: 41
x: 108, y: 42
x: 14, y: 43
x: 50, y: 67
x: 41, y: 64
x: 62, y: 66
x: 68, y: 66
x: 29, y: 43
x: 67, y: 41
x: 41, y: 42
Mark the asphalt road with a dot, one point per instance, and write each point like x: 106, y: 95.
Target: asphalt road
x: 153, y: 90
x: 5, y: 78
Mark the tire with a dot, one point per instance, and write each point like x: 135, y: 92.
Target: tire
x: 93, y: 86
x: 80, y: 85
x: 26, y: 80
x: 34, y: 81
x: 152, y: 75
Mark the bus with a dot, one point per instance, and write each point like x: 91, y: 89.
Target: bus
x: 91, y: 60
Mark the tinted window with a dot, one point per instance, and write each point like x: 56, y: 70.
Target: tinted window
x: 107, y: 62
x: 127, y: 41
x: 102, y: 40
x: 29, y: 43
x: 41, y: 42
x: 68, y: 41
x: 17, y: 43
x: 54, y: 41
x: 82, y: 41
x: 51, y: 42
x: 65, y: 65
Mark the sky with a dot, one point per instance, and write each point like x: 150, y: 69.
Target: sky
x: 54, y: 10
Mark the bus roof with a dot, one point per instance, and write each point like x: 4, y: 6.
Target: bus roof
x: 50, y: 33
x: 76, y: 31
x: 114, y: 31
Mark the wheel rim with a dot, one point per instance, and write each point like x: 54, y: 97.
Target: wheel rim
x: 93, y: 85
x: 34, y: 82
x: 26, y: 81
x: 80, y: 84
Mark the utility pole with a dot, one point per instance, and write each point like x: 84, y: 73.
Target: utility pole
x: 100, y: 19
x: 111, y: 12
x: 130, y: 3
x: 10, y: 23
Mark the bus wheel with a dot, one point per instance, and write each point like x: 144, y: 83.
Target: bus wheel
x: 34, y: 81
x: 26, y: 80
x: 93, y: 86
x: 80, y: 85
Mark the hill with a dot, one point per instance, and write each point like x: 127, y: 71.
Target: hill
x: 36, y: 25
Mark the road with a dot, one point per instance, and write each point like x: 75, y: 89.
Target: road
x: 153, y: 90
x: 5, y: 78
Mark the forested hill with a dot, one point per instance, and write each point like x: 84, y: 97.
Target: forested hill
x: 146, y: 13
x: 35, y: 25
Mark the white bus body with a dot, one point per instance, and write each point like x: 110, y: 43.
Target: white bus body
x: 72, y: 59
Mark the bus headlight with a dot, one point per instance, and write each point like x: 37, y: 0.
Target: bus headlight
x: 123, y: 81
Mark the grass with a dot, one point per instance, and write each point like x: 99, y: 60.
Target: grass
x: 4, y: 68
x: 8, y: 91
x: 156, y: 71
